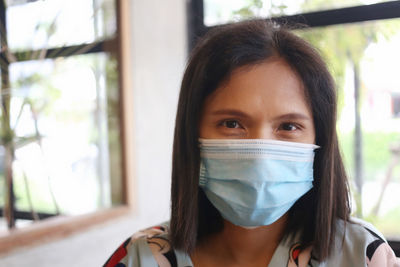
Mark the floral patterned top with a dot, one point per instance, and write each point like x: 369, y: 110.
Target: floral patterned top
x: 362, y: 246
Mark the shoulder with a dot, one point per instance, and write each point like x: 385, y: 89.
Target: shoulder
x: 359, y: 241
x: 148, y: 247
x: 360, y: 227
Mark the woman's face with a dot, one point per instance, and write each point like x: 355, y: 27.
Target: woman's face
x: 263, y: 101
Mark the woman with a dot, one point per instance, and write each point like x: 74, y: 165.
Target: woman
x: 257, y: 177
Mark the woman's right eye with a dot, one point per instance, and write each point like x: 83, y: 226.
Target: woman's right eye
x: 232, y: 124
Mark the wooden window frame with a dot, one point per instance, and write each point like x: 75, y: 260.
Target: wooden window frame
x: 61, y: 226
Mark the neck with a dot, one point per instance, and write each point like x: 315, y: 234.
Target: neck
x: 245, y: 247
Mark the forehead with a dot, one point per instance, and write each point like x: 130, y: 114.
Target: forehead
x: 268, y: 86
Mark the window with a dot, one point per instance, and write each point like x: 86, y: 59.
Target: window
x: 61, y: 129
x: 362, y: 54
x: 396, y: 104
x: 225, y: 11
x: 360, y: 44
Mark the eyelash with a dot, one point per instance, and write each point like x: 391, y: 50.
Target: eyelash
x: 297, y: 127
x: 224, y: 122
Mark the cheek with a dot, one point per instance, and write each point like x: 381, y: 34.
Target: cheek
x: 205, y: 129
x: 208, y: 132
x: 311, y: 134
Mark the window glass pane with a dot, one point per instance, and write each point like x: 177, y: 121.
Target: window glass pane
x: 65, y: 117
x: 224, y: 11
x: 55, y: 23
x: 367, y: 54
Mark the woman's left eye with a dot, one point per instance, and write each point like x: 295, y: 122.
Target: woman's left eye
x: 288, y: 127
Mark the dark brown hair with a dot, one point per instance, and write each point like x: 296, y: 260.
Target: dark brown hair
x: 221, y: 51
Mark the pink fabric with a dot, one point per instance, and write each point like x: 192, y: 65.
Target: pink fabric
x: 383, y: 257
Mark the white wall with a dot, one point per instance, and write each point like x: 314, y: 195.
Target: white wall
x: 158, y: 58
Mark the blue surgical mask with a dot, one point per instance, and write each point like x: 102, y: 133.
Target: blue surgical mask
x: 254, y: 182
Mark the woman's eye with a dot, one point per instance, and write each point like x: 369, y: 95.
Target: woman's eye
x: 288, y: 127
x: 231, y: 124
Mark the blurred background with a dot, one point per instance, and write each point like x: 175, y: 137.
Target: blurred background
x: 88, y: 100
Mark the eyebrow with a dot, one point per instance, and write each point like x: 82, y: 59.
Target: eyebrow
x: 238, y: 113
x: 232, y: 112
x: 293, y: 116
